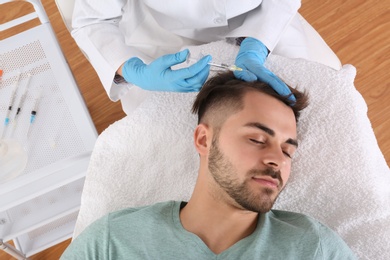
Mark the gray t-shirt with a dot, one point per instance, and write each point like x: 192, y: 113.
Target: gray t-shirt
x: 155, y: 232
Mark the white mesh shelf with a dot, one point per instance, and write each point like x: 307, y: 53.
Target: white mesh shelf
x: 41, y: 210
x: 46, y: 236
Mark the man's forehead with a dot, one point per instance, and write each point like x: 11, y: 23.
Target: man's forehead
x: 261, y: 102
x: 266, y: 110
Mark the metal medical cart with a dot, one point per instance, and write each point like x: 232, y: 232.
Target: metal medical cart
x: 39, y: 207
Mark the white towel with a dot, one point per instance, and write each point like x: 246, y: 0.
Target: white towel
x: 339, y: 175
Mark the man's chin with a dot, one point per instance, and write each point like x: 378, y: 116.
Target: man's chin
x: 262, y: 205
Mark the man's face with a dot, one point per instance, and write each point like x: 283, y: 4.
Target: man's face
x: 250, y: 159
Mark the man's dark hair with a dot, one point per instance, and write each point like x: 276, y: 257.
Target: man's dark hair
x: 224, y: 94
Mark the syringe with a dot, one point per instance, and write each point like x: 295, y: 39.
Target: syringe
x: 225, y: 66
x: 35, y: 106
x: 34, y: 109
x: 12, y: 99
x: 21, y: 102
x: 23, y: 97
x: 218, y: 65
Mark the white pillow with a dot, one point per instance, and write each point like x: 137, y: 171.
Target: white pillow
x: 339, y: 175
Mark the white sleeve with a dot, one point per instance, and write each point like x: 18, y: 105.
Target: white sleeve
x: 96, y: 32
x: 268, y: 21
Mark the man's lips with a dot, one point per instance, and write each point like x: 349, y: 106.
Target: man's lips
x: 267, y: 181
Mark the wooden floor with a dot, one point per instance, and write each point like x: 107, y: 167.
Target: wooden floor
x: 358, y: 31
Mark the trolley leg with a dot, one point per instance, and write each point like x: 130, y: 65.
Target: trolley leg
x: 9, y: 249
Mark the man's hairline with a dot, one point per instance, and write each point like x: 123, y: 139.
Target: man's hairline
x: 240, y: 108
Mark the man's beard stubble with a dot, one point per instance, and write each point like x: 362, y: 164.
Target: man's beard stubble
x: 225, y: 175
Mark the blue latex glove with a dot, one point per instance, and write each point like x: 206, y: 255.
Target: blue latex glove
x: 158, y: 75
x: 250, y: 58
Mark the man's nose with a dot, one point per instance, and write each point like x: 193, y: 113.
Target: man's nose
x: 274, y: 157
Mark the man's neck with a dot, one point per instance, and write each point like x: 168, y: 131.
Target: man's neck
x: 218, y: 224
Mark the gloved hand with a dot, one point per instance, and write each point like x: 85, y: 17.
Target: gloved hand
x: 158, y: 75
x: 250, y: 58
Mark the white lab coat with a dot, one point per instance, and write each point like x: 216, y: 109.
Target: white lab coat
x: 110, y: 32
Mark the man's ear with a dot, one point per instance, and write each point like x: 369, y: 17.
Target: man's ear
x: 202, y: 134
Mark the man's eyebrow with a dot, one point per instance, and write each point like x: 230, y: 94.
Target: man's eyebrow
x: 292, y: 142
x: 270, y: 132
x: 261, y: 127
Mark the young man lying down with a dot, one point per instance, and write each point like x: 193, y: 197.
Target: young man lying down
x: 246, y: 138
